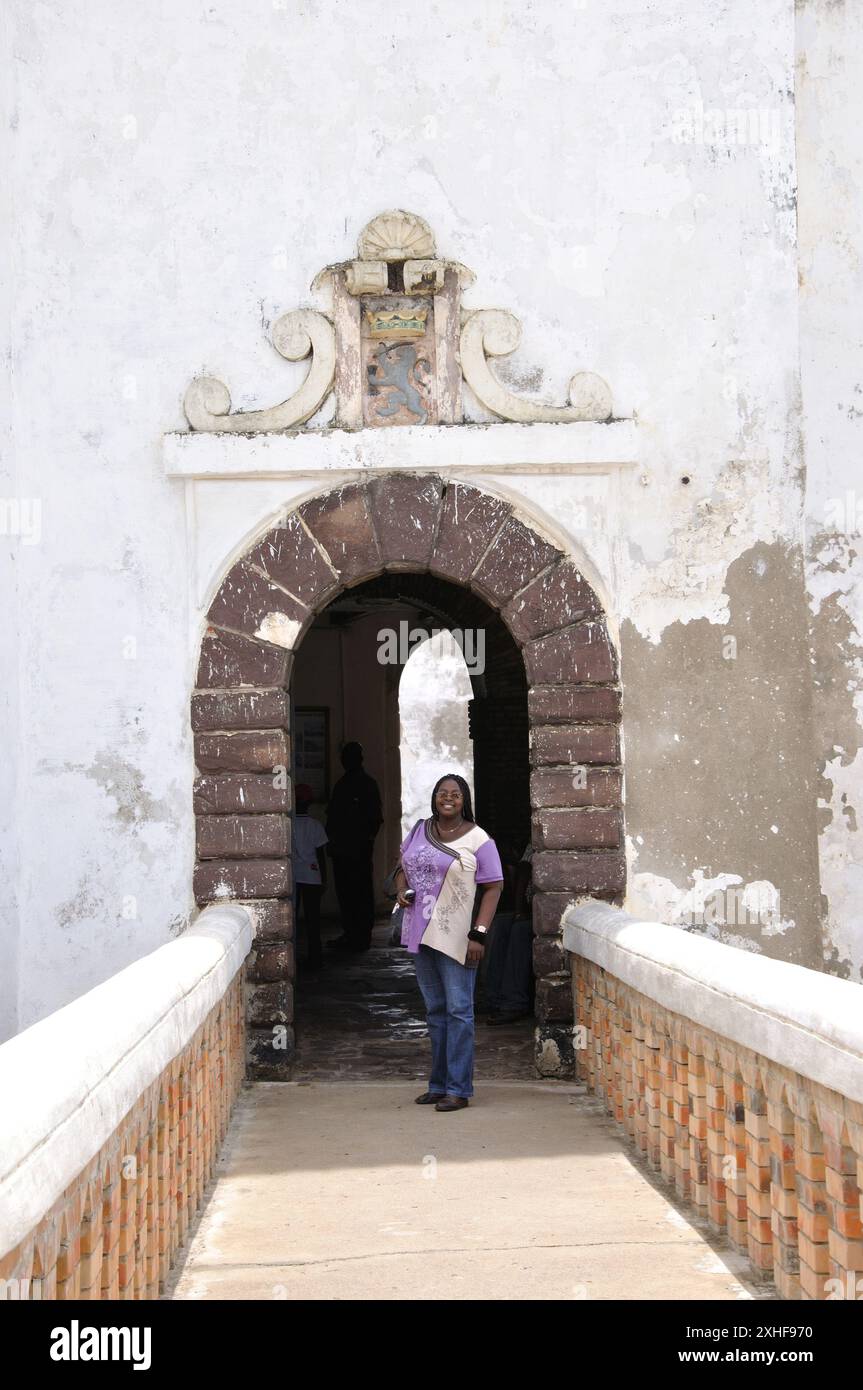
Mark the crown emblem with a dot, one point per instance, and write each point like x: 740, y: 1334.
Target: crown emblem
x: 396, y: 323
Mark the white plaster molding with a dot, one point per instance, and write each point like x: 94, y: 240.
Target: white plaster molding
x: 295, y: 335
x: 545, y: 448
x: 806, y: 1021
x: 495, y: 333
x: 363, y: 277
x: 67, y: 1082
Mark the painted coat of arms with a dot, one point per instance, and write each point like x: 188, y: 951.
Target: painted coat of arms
x: 398, y: 354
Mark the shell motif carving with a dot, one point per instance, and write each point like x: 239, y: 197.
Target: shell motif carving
x: 496, y: 333
x: 396, y: 236
x: 296, y: 335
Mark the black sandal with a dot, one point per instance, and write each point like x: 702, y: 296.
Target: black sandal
x: 429, y: 1098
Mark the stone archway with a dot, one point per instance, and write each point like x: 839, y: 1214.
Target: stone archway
x: 240, y: 717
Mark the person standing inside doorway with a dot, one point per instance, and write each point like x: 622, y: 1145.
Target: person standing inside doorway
x: 353, y: 820
x: 445, y: 860
x: 310, y: 872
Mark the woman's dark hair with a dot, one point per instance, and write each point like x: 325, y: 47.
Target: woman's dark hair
x: 467, y: 810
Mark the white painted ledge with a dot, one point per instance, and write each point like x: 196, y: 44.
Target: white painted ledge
x: 806, y: 1021
x: 544, y: 448
x: 67, y: 1082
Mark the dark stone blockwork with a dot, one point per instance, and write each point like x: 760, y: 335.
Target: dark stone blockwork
x: 435, y: 531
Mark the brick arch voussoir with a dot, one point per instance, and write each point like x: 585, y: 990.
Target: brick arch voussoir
x: 240, y: 715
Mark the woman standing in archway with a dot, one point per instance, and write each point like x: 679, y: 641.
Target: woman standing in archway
x: 443, y: 861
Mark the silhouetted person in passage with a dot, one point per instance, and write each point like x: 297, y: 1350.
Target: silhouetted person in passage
x: 353, y: 821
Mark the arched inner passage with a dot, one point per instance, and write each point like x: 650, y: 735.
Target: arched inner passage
x: 364, y: 1012
x: 545, y: 714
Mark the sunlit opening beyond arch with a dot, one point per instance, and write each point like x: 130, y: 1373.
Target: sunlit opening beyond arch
x: 433, y: 722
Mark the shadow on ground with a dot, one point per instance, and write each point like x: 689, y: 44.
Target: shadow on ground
x: 362, y: 1017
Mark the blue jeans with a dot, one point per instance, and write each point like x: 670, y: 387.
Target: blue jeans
x: 447, y: 989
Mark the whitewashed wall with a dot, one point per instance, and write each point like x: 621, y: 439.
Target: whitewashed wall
x: 181, y: 173
x: 830, y: 42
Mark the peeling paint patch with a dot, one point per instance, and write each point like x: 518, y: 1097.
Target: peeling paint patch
x: 834, y: 575
x: 279, y: 629
x: 719, y: 766
x: 688, y: 583
x: 84, y: 903
x: 125, y: 783
x: 712, y: 906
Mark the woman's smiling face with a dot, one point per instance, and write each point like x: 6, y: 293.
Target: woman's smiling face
x: 449, y: 800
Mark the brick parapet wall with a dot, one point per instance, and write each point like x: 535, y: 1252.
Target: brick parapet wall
x: 116, y: 1226
x: 769, y: 1155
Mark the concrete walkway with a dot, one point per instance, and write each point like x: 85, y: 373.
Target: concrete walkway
x: 347, y: 1190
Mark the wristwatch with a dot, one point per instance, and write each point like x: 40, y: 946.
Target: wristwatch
x: 478, y: 933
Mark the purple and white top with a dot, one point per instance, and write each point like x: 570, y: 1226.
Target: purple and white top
x: 445, y: 877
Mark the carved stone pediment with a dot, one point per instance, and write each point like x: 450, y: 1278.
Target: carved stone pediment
x: 397, y: 349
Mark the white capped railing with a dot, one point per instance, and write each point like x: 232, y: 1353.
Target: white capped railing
x: 113, y: 1109
x: 741, y: 1080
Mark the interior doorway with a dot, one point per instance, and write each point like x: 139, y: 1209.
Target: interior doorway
x: 428, y: 680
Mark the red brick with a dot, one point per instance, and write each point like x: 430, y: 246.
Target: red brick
x: 240, y: 709
x: 517, y: 555
x: 812, y: 1253
x: 268, y: 1062
x: 548, y: 909
x: 840, y: 1158
x: 600, y: 871
x: 243, y: 837
x: 578, y: 829
x: 405, y: 509
x: 574, y: 745
x: 573, y: 704
x: 275, y: 918
x: 553, y: 787
x: 845, y: 1220
x: 553, y: 1000
x: 230, y: 659
x: 341, y: 523
x: 469, y: 522
x: 549, y: 956
x: 270, y: 961
x: 848, y: 1254
x: 811, y: 1193
x: 218, y: 880
x: 290, y: 557
x: 557, y: 598
x: 842, y: 1186
x: 258, y: 751
x: 270, y: 1003
x: 243, y: 792
x: 580, y: 653
x: 810, y: 1165
x: 245, y: 602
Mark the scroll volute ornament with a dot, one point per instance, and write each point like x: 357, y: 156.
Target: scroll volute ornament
x: 496, y: 333
x: 297, y: 335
